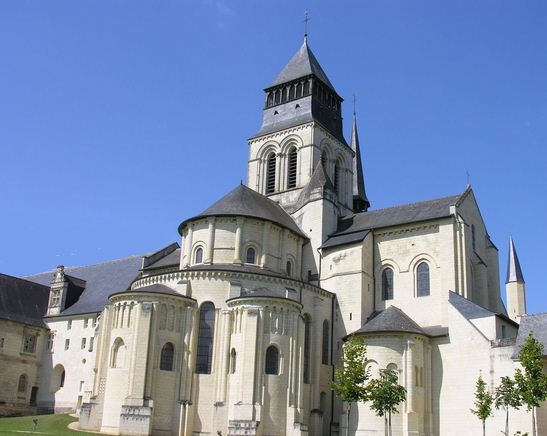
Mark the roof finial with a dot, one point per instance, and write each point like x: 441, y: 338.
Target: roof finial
x: 306, y: 19
x: 354, y: 102
x: 468, y: 178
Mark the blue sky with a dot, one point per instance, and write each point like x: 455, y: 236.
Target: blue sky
x: 120, y: 119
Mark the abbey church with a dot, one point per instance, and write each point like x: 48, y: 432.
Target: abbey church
x: 237, y: 329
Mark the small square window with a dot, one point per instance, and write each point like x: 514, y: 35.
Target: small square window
x: 91, y: 344
x: 83, y: 343
x: 86, y: 321
x: 69, y: 324
x: 67, y: 344
x: 29, y: 344
x: 49, y: 342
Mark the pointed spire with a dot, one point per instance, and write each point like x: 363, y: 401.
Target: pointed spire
x: 360, y: 200
x: 514, y: 273
x: 302, y: 64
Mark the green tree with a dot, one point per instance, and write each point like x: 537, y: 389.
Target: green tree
x: 531, y: 382
x: 483, y: 403
x: 351, y: 377
x: 506, y: 396
x: 385, y: 394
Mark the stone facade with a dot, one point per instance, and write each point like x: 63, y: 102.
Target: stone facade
x: 239, y: 329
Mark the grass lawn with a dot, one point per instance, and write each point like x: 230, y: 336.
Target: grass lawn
x: 47, y: 425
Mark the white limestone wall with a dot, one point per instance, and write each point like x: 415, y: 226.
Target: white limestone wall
x: 225, y: 240
x: 402, y: 248
x: 74, y: 351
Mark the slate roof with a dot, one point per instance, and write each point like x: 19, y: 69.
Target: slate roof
x: 170, y: 260
x: 346, y: 238
x: 391, y: 320
x: 535, y: 324
x: 249, y: 269
x: 467, y: 308
x: 302, y: 64
x: 152, y: 289
x: 243, y: 201
x: 23, y: 301
x: 514, y: 272
x: 101, y: 279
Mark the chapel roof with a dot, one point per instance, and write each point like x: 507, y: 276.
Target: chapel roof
x: 101, y: 280
x: 352, y: 226
x: 155, y: 288
x: 22, y: 300
x: 302, y: 64
x: 243, y: 201
x: 391, y: 320
x: 535, y: 324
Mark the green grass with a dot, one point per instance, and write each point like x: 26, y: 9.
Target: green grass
x: 47, y: 424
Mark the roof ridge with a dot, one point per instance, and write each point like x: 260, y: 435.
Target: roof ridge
x: 24, y: 279
x: 408, y: 204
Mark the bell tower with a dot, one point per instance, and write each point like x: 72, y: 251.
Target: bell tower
x: 301, y: 126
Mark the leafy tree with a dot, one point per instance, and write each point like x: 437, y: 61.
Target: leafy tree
x: 350, y: 378
x: 385, y: 394
x: 532, y: 383
x: 483, y: 403
x: 506, y: 396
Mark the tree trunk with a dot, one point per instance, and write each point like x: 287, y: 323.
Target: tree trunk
x: 386, y: 428
x: 507, y: 421
x: 389, y: 423
x: 484, y: 427
x: 534, y: 421
x: 349, y: 410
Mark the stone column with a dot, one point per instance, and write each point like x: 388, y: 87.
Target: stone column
x: 188, y: 246
x: 210, y: 241
x: 238, y: 237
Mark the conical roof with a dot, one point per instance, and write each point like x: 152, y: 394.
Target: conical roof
x: 391, y: 320
x: 514, y: 273
x: 243, y: 201
x: 360, y: 200
x: 302, y: 64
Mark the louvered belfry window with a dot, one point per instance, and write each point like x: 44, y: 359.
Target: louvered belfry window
x: 291, y: 168
x: 270, y: 173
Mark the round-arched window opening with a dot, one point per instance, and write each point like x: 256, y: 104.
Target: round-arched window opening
x: 198, y: 255
x: 250, y: 255
x: 272, y: 360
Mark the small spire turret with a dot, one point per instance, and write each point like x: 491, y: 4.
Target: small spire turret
x: 360, y: 200
x: 514, y: 285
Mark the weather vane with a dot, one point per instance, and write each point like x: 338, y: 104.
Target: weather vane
x: 306, y: 19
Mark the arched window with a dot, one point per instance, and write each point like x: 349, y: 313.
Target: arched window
x: 270, y: 173
x: 292, y: 92
x: 233, y: 361
x: 289, y: 267
x: 325, y: 344
x: 117, y: 359
x: 198, y: 255
x: 250, y: 256
x: 269, y: 101
x: 62, y: 381
x: 272, y: 360
x: 307, y: 347
x: 337, y: 177
x: 387, y: 284
x: 291, y: 168
x: 22, y: 385
x: 167, y: 357
x: 422, y: 279
x: 324, y: 160
x: 205, y: 338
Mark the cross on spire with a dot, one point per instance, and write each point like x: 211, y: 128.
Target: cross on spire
x: 354, y: 102
x: 306, y: 19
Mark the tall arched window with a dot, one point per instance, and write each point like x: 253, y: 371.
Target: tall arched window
x: 325, y: 344
x: 270, y: 173
x: 22, y: 385
x: 198, y: 255
x: 289, y: 267
x: 324, y: 160
x: 422, y: 280
x: 387, y: 284
x: 307, y: 347
x: 291, y: 168
x: 205, y: 338
x: 233, y: 361
x: 250, y: 256
x: 337, y: 177
x: 272, y: 360
x: 167, y: 357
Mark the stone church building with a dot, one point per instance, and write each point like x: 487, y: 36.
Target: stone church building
x: 237, y: 329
